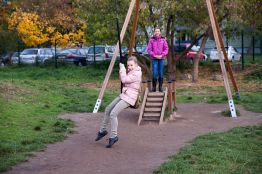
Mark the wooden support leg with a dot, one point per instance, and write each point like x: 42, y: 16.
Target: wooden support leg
x: 170, y: 97
x: 220, y: 48
x: 174, y: 93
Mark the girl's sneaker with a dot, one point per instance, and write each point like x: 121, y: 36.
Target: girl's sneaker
x: 112, y: 141
x: 100, y: 135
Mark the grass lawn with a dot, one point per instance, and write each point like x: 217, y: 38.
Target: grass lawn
x: 248, y: 59
x: 249, y: 100
x: 236, y: 151
x: 250, y: 95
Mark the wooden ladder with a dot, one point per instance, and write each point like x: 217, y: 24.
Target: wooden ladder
x: 153, y: 106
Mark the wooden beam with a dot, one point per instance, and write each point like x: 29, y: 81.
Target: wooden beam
x: 163, y: 107
x: 133, y: 33
x: 220, y: 55
x: 225, y: 54
x: 142, y: 107
x: 174, y: 93
x: 170, y: 97
x: 109, y: 71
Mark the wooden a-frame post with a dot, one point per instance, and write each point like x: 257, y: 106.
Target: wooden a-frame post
x: 225, y: 54
x: 221, y: 55
x: 133, y: 34
x: 116, y: 52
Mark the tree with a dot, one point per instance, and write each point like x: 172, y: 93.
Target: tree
x: 34, y: 31
x: 47, y: 22
x: 29, y: 28
x: 101, y: 17
x: 8, y: 40
x: 247, y: 15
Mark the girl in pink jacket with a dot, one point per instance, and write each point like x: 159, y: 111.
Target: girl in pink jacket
x: 131, y: 81
x: 157, y: 49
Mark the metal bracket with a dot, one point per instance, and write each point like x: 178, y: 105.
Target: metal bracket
x: 98, y: 103
x: 232, y: 108
x: 238, y: 95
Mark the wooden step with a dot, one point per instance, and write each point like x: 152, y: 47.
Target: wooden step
x: 154, y: 99
x: 153, y: 109
x: 150, y: 104
x: 151, y: 118
x: 156, y: 94
x: 153, y: 106
x: 151, y: 114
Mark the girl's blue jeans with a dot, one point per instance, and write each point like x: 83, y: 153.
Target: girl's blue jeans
x: 158, y: 68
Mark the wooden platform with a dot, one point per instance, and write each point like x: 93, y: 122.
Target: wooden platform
x: 153, y: 106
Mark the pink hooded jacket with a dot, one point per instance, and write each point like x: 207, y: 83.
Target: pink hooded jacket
x: 157, y: 46
x: 131, y: 82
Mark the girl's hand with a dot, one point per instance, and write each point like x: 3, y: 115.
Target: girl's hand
x: 121, y: 65
x: 158, y: 56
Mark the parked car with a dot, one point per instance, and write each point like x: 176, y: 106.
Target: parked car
x: 139, y: 49
x: 57, y: 50
x: 5, y: 59
x: 102, y: 52
x: 142, y: 49
x: 78, y: 56
x: 232, y: 54
x: 124, y: 50
x: 33, y: 55
x: 15, y: 58
x: 191, y: 54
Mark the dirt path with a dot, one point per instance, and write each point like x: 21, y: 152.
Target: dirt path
x: 140, y: 149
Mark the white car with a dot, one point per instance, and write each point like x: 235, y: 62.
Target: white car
x: 31, y: 55
x: 102, y: 52
x: 232, y: 54
x: 14, y: 58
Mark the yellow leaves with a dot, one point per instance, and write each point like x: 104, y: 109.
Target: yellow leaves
x: 71, y: 39
x: 31, y: 34
x: 59, y: 39
x: 50, y: 30
x: 34, y: 31
x: 13, y: 21
x: 77, y: 37
x: 64, y: 41
x: 29, y: 28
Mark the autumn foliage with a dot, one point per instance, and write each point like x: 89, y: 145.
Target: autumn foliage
x: 35, y: 30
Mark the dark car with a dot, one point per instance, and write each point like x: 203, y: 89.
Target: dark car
x: 5, y: 59
x: 78, y: 56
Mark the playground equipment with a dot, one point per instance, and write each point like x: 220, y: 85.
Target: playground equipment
x: 222, y: 54
x: 154, y: 104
